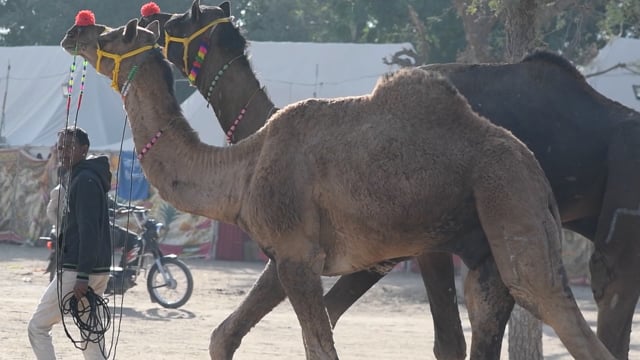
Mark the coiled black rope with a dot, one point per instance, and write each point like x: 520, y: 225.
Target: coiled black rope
x: 91, y: 316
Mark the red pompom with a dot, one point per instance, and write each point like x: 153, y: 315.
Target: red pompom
x: 149, y: 9
x: 85, y: 18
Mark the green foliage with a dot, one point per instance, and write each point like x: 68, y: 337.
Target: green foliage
x: 44, y: 22
x: 437, y: 35
x: 358, y: 21
x: 622, y: 19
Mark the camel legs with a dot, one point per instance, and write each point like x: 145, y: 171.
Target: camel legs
x: 489, y: 305
x: 265, y: 294
x: 438, y: 276
x: 524, y: 235
x: 439, y: 280
x: 615, y: 285
x: 615, y: 263
x: 302, y: 283
x: 347, y: 290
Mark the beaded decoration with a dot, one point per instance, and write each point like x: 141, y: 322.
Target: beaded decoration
x: 197, y: 63
x: 233, y: 127
x: 239, y: 118
x: 154, y: 140
x: 217, y: 77
x: 127, y: 84
x: 70, y: 83
x: 150, y: 144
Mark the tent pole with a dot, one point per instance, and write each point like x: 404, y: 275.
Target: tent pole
x: 4, y: 103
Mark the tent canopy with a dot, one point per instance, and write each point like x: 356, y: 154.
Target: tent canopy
x: 617, y: 84
x: 36, y: 108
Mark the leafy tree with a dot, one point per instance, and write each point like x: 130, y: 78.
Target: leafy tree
x: 622, y: 19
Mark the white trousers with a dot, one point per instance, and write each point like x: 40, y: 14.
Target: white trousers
x: 48, y: 314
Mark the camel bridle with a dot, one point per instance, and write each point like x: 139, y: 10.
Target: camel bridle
x: 187, y: 40
x: 117, y: 59
x: 197, y: 64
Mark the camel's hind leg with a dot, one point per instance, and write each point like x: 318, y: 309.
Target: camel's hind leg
x: 519, y: 217
x: 347, y: 290
x: 489, y: 305
x: 615, y: 263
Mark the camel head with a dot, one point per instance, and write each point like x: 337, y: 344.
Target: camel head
x: 111, y: 51
x: 201, y: 26
x: 80, y: 39
x: 150, y: 12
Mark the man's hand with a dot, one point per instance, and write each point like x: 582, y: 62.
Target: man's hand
x: 80, y: 288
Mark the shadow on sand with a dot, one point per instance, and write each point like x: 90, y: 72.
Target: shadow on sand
x: 157, y: 314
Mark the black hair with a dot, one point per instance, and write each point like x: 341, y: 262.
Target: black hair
x: 80, y: 134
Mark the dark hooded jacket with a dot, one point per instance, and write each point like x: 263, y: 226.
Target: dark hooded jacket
x: 85, y: 233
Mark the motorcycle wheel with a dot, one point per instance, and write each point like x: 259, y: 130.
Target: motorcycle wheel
x: 173, y: 293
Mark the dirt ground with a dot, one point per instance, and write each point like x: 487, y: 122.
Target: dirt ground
x: 392, y: 321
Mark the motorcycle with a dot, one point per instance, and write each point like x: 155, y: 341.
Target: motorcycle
x: 169, y: 280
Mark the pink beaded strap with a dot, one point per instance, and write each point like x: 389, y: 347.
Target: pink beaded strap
x: 154, y: 140
x: 150, y: 144
x: 235, y: 123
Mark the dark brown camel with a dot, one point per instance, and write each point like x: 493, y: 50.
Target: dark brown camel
x: 422, y: 172
x: 578, y: 173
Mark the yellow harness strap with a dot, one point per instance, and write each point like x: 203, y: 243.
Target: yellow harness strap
x: 185, y: 41
x: 117, y: 60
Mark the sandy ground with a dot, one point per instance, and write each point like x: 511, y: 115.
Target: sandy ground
x: 391, y: 321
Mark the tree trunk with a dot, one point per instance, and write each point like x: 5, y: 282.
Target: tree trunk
x: 477, y: 27
x: 521, y: 37
x: 521, y: 31
x: 525, y: 335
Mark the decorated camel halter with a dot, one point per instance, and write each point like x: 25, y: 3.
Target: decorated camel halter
x: 117, y: 59
x: 197, y: 64
x: 202, y: 51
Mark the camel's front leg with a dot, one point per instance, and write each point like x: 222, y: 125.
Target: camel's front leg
x: 265, y: 294
x: 302, y: 283
x: 615, y: 263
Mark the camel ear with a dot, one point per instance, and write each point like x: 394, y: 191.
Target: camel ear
x: 99, y: 29
x: 225, y: 9
x: 130, y: 30
x: 154, y: 27
x: 195, y: 11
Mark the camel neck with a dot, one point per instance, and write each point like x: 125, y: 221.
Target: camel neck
x: 232, y: 89
x: 195, y: 177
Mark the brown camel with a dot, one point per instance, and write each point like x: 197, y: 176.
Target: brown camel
x: 413, y: 169
x: 239, y: 80
x: 585, y: 144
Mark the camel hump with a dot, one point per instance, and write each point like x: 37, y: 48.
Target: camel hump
x: 426, y: 87
x: 549, y: 58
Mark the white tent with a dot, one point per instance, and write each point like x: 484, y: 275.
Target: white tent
x: 617, y: 84
x: 36, y: 107
x: 296, y: 71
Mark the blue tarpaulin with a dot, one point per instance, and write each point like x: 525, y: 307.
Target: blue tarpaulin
x: 132, y: 185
